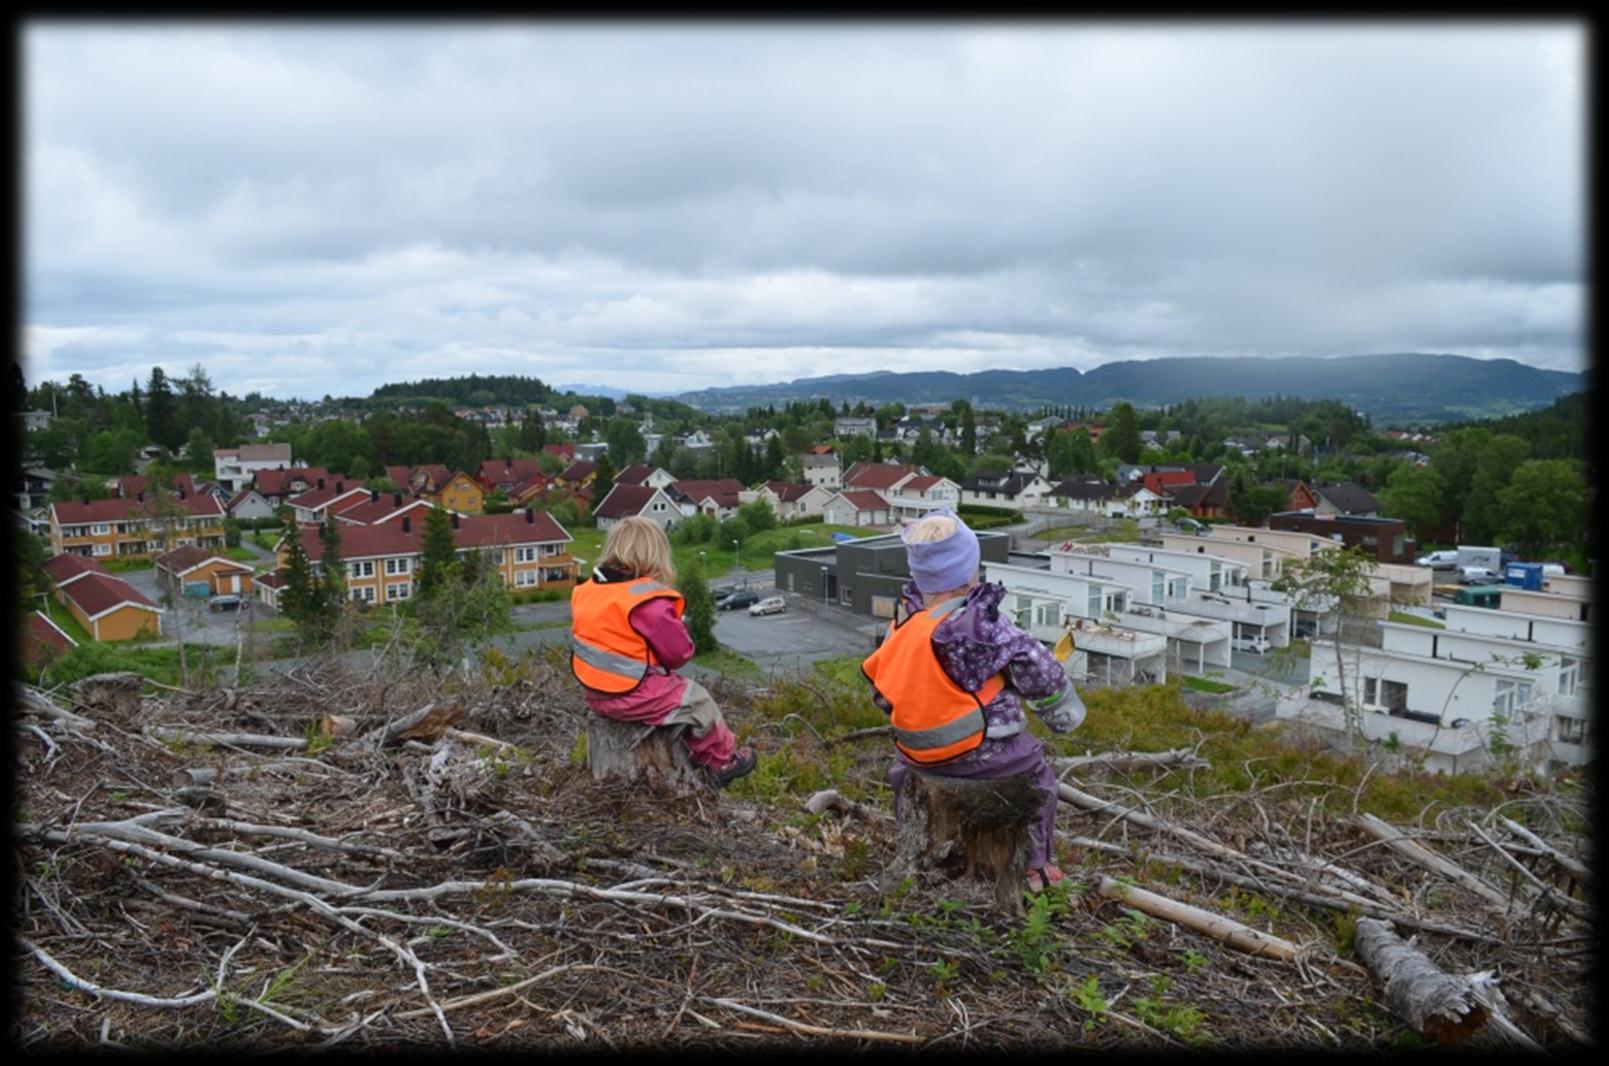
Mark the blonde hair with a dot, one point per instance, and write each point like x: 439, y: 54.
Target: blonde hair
x: 929, y: 529
x: 636, y: 544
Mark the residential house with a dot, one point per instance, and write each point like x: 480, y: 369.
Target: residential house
x: 565, y: 450
x: 125, y: 528
x: 182, y: 568
x: 501, y: 475
x: 1159, y: 438
x: 823, y: 470
x: 133, y: 486
x: 1562, y: 596
x: 1084, y: 495
x: 33, y: 487
x: 235, y: 468
x: 856, y: 507
x: 451, y: 489
x: 108, y: 607
x: 249, y: 504
x: 880, y: 477
x: 1245, y: 444
x: 593, y: 451
x: 645, y: 474
x: 854, y: 426
x: 1343, y: 498
x: 268, y: 588
x: 641, y: 501
x: 1161, y: 479
x: 791, y: 501
x: 1283, y: 441
x: 696, y: 440
x: 528, y: 551
x: 32, y: 420
x: 281, y: 483
x: 720, y: 497
x: 579, y: 474
x: 914, y: 497
x: 43, y: 641
x: 995, y: 488
x: 376, y: 508
x: 324, y: 498
x: 1202, y: 501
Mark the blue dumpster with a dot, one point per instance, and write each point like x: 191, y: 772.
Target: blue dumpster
x: 1524, y: 575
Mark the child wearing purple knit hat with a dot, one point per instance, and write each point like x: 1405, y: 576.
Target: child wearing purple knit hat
x: 984, y: 655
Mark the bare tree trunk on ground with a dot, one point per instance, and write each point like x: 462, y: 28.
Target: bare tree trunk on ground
x: 1433, y: 1002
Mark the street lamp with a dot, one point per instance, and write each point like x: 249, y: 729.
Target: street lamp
x: 737, y: 563
x: 824, y: 584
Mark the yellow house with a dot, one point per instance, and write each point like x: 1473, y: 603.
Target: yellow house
x: 122, y: 528
x: 111, y: 609
x: 461, y: 493
x: 191, y: 565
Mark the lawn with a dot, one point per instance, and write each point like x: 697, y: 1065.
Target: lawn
x: 1201, y: 684
x: 124, y: 566
x: 240, y: 555
x: 1127, y: 531
x: 730, y: 664
x: 69, y: 625
x: 1414, y: 620
x: 756, y: 552
x: 267, y: 539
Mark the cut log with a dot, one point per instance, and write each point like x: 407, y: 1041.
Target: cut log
x: 1401, y: 843
x: 1231, y: 932
x: 1434, y: 1002
x: 630, y: 751
x: 1134, y: 760
x: 1574, y: 867
x: 967, y: 828
x: 337, y: 725
x: 116, y: 693
x: 831, y: 799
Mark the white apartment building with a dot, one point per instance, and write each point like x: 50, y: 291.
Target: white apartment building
x: 1048, y: 604
x: 233, y: 468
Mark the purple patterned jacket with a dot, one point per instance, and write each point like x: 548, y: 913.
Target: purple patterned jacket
x: 975, y: 643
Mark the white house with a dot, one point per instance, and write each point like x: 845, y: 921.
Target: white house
x: 1563, y: 596
x: 248, y: 503
x: 790, y: 500
x: 914, y: 497
x: 1047, y: 604
x: 643, y: 501
x: 857, y: 507
x: 853, y: 426
x: 991, y: 488
x: 825, y: 471
x: 234, y: 467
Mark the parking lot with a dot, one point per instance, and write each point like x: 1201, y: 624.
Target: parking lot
x: 201, y: 625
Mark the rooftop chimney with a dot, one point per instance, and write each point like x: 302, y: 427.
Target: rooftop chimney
x: 407, y: 526
x: 396, y: 499
x: 320, y: 482
x: 181, y: 494
x: 455, y: 519
x: 530, y: 517
x: 340, y: 486
x: 374, y: 495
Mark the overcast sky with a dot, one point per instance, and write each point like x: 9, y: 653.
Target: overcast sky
x: 323, y: 208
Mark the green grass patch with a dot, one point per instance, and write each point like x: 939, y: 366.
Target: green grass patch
x: 59, y: 614
x: 241, y: 555
x: 844, y: 670
x: 266, y: 539
x: 157, y: 663
x: 729, y: 664
x: 125, y: 566
x: 1202, y: 684
x: 1414, y: 620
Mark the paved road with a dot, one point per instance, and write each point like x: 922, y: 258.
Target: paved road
x: 201, y: 625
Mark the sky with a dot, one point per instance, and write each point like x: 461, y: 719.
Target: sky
x: 319, y: 208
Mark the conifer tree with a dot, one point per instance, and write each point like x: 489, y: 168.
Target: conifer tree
x: 438, y: 552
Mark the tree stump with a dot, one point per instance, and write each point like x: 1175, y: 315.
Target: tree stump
x: 631, y: 751
x: 967, y: 828
x: 117, y: 693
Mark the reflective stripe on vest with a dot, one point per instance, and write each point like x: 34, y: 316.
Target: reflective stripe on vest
x: 606, y: 654
x: 934, y: 720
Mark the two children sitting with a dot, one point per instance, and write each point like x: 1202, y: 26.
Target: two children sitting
x: 954, y: 675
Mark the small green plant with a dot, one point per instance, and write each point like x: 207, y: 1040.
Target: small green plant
x: 284, y: 982
x: 1087, y: 997
x: 1036, y: 941
x: 876, y: 991
x: 1346, y: 929
x: 943, y: 972
x: 317, y: 740
x: 1179, y: 1019
x: 1127, y: 931
x: 578, y: 751
x: 438, y: 931
x: 1194, y: 961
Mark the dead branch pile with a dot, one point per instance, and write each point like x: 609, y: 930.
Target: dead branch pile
x: 366, y: 860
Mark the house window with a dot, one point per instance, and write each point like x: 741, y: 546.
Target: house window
x: 524, y: 578
x: 1158, y: 583
x: 552, y: 549
x: 1510, y: 696
x: 1094, y: 602
x: 1394, y: 694
x: 103, y: 549
x: 399, y: 591
x: 1571, y: 730
x: 100, y: 529
x: 1567, y: 676
x: 525, y: 555
x: 398, y: 566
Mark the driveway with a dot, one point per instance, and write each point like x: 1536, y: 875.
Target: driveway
x: 201, y: 625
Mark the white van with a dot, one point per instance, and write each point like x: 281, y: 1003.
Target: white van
x: 1444, y: 560
x: 1257, y: 644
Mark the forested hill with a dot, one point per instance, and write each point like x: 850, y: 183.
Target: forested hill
x: 1562, y: 430
x: 1395, y: 387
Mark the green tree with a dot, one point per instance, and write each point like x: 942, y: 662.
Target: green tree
x: 1121, y: 440
x: 1543, y: 508
x: 469, y: 605
x: 603, y: 480
x: 198, y: 452
x: 161, y: 413
x: 1494, y: 466
x: 969, y: 430
x: 303, y: 598
x: 1415, y: 495
x: 1335, y: 582
x: 329, y: 535
x: 625, y: 441
x: 438, y: 553
x: 757, y: 516
x: 699, y: 614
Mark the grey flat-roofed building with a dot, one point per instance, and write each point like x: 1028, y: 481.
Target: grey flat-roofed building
x: 865, y: 575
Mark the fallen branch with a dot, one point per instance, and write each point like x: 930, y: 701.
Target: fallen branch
x: 1534, y: 883
x: 78, y: 984
x: 1236, y: 935
x: 1135, y: 760
x: 816, y: 1030
x: 233, y: 740
x: 1575, y: 868
x: 1404, y: 845
x: 1432, y: 1001
x: 496, y: 993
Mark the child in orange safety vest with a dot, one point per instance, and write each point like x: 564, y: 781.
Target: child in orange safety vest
x: 953, y: 676
x: 627, y: 637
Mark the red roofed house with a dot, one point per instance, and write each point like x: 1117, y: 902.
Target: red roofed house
x: 529, y: 551
x: 645, y: 501
x: 579, y: 474
x: 377, y: 507
x: 501, y: 475
x: 281, y: 483
x: 130, y: 486
x: 110, y: 608
x: 124, y: 529
x: 720, y: 497
x: 563, y: 451
x: 1159, y: 481
x: 916, y: 496
x: 268, y: 587
x: 452, y: 489
x: 857, y: 507
x: 187, y: 566
x: 312, y: 506
x: 43, y: 640
x: 645, y: 474
x: 791, y: 500
x: 65, y: 569
x: 879, y: 477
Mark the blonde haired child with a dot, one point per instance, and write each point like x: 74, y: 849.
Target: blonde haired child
x: 627, y: 637
x: 961, y: 642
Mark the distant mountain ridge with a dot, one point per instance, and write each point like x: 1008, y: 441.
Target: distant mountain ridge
x: 1411, y: 385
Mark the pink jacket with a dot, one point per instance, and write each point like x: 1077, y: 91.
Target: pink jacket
x: 661, y: 691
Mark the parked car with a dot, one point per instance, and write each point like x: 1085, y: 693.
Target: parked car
x: 1444, y: 560
x: 1478, y: 575
x: 736, y: 599
x: 1190, y: 525
x: 227, y: 602
x: 1256, y: 644
x: 769, y: 605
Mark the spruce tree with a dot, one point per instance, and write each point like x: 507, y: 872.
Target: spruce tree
x: 603, y: 480
x: 329, y: 536
x: 438, y: 552
x: 699, y: 615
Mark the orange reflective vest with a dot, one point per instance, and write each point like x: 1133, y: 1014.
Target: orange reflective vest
x: 606, y: 654
x: 934, y: 719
